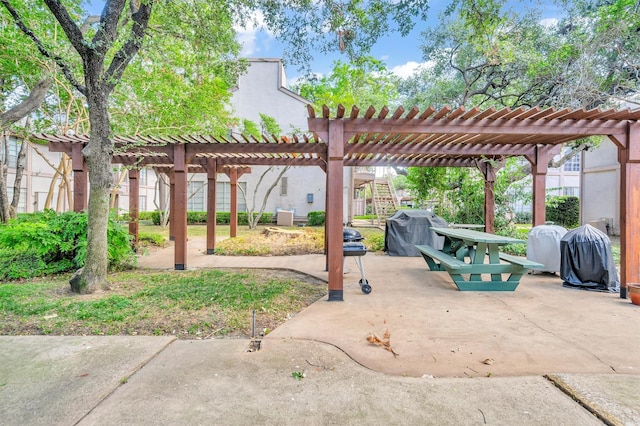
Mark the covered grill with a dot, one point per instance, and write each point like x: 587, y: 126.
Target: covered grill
x: 353, y: 246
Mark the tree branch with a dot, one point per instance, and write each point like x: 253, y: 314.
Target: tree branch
x: 131, y: 47
x: 108, y: 30
x: 27, y: 106
x: 68, y: 26
x: 58, y: 59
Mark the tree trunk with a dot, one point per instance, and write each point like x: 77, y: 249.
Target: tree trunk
x: 97, y: 153
x: 4, y: 198
x: 17, y: 183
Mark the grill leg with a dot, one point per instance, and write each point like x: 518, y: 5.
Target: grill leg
x: 358, y: 260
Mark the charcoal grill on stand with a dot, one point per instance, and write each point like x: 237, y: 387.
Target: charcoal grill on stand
x: 353, y: 246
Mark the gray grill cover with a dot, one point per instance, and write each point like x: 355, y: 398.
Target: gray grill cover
x: 407, y: 228
x: 543, y: 246
x: 587, y: 260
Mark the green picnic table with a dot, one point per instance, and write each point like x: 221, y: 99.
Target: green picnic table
x: 474, y: 261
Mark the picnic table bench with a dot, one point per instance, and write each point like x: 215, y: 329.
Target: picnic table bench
x: 474, y: 262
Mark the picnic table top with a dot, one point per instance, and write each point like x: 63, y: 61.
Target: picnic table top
x: 466, y: 225
x: 476, y: 236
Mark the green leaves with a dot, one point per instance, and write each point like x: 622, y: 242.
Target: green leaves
x: 458, y: 192
x: 350, y: 26
x: 363, y: 83
x: 45, y: 243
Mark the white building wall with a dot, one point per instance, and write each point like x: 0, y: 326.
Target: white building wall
x: 600, y: 197
x: 263, y: 90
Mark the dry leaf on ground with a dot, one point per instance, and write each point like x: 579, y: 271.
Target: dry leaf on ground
x: 385, y: 342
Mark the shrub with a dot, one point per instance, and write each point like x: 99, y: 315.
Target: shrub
x: 375, y: 242
x: 222, y: 218
x: 44, y: 243
x: 155, y: 217
x: 124, y: 217
x: 514, y: 232
x: 563, y: 210
x: 316, y: 218
x: 523, y: 217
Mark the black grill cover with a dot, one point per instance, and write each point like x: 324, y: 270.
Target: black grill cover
x: 407, y: 228
x: 586, y: 260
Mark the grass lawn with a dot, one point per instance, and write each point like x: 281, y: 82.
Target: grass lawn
x: 187, y: 304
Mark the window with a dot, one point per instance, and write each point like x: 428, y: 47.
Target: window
x: 573, y: 165
x: 142, y: 177
x: 572, y: 191
x: 195, y: 196
x: 12, y: 153
x: 142, y: 203
x: 284, y: 182
x: 223, y: 197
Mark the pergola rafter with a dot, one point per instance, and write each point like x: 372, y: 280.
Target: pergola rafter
x: 442, y: 137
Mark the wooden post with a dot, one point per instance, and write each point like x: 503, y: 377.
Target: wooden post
x: 335, y: 174
x: 80, y: 181
x: 172, y: 205
x: 326, y: 229
x: 629, y: 158
x: 233, y: 220
x: 134, y: 197
x: 212, y: 175
x: 539, y: 163
x: 489, y: 172
x: 179, y: 206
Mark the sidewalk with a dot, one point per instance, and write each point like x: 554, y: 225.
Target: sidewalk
x: 464, y: 358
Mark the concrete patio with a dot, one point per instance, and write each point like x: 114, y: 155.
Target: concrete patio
x: 542, y: 354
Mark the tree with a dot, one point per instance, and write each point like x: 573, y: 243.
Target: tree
x: 106, y: 52
x: 351, y: 26
x: 104, y: 58
x: 483, y: 55
x: 179, y: 82
x: 24, y: 83
x: 363, y: 82
x: 458, y: 192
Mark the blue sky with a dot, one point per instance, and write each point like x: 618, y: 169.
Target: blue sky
x: 401, y: 54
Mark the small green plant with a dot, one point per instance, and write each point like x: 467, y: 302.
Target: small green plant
x: 298, y: 375
x: 316, y: 218
x: 123, y: 380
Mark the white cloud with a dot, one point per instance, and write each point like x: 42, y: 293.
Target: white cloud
x: 247, y: 35
x: 407, y: 69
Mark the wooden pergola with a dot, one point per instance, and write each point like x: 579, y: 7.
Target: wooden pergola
x: 434, y: 137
